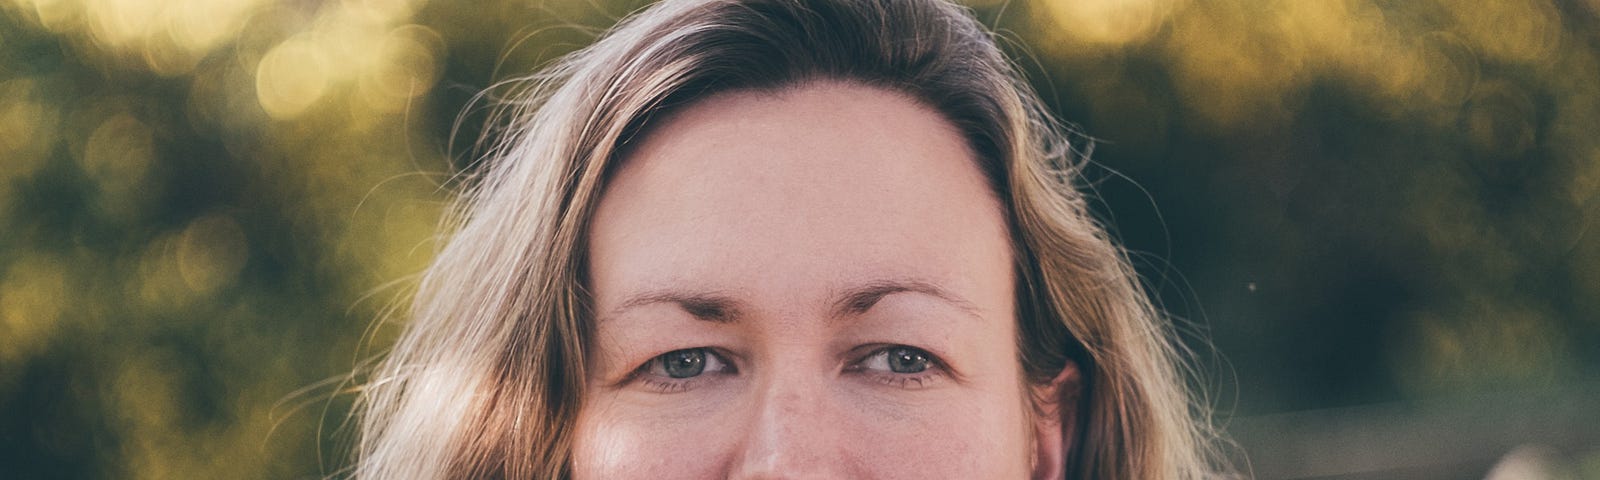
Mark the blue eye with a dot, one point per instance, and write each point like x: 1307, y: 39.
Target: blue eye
x: 683, y: 363
x: 903, y: 366
x: 686, y: 363
x: 899, y: 359
x: 906, y: 360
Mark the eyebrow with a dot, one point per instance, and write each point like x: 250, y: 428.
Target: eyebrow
x: 709, y: 306
x: 718, y: 307
x: 858, y: 299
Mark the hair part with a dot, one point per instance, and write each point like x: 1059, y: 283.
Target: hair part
x: 487, y: 379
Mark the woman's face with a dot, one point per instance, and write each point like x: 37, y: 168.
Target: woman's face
x: 815, y: 283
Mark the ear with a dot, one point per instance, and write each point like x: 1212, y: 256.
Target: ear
x: 1055, y: 422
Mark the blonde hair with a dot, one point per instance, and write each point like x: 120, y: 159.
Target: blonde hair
x: 487, y: 379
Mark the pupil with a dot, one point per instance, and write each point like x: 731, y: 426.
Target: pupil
x: 685, y: 363
x: 906, y: 360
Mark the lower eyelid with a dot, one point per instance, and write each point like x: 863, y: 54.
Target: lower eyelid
x: 674, y: 386
x: 915, y: 381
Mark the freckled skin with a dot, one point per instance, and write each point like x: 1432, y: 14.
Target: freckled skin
x: 778, y: 200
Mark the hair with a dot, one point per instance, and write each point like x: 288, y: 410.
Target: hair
x: 487, y: 379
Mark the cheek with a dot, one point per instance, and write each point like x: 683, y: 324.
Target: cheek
x: 972, y: 436
x: 622, y: 442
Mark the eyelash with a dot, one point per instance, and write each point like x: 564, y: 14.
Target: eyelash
x: 667, y: 386
x: 910, y: 381
x: 661, y: 384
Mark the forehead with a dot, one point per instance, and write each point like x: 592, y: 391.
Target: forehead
x: 822, y: 183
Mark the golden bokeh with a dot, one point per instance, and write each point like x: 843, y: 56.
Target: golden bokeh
x: 292, y: 77
x: 30, y: 122
x: 210, y: 252
x: 404, y: 66
x: 33, y: 295
x: 117, y: 155
x: 1109, y: 22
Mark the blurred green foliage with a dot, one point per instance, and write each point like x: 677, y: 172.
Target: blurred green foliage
x: 206, y: 205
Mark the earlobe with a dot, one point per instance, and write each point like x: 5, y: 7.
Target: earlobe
x: 1054, y: 424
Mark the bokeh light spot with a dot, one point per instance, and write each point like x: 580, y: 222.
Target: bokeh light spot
x: 118, y: 153
x: 160, y: 285
x: 1510, y: 30
x: 1230, y: 75
x: 383, y: 10
x: 211, y: 252
x: 33, y: 295
x: 200, y: 26
x: 291, y: 78
x: 1109, y: 22
x: 118, y: 23
x: 407, y: 65
x: 147, y: 393
x: 30, y: 124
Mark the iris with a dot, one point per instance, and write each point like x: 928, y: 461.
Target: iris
x: 684, y: 363
x: 907, y: 360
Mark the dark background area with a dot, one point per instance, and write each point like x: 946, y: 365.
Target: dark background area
x: 1373, y: 220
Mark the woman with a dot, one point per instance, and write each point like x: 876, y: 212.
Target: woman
x: 781, y: 238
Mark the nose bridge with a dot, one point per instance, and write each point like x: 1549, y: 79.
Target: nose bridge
x: 791, y: 430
